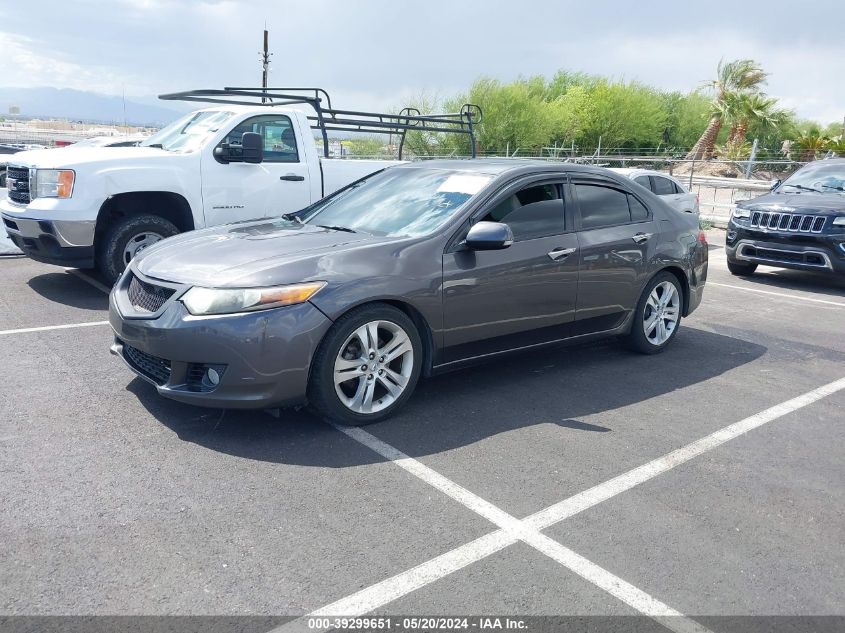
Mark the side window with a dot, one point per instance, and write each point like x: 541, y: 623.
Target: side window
x: 638, y: 211
x: 678, y: 188
x: 532, y: 212
x: 277, y: 132
x: 663, y: 186
x: 601, y: 206
x: 643, y: 180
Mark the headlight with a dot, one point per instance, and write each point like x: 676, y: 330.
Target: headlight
x: 54, y: 183
x: 739, y: 212
x: 840, y: 221
x: 200, y: 300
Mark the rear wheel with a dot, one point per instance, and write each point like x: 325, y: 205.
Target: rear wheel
x: 657, y: 316
x: 741, y: 269
x: 367, y: 366
x: 128, y: 237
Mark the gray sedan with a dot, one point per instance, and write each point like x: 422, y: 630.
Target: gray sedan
x: 419, y: 269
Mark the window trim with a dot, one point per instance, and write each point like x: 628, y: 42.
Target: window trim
x: 298, y: 160
x: 610, y: 184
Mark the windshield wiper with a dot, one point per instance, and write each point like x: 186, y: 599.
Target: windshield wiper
x: 156, y: 145
x: 336, y: 228
x: 802, y: 187
x: 292, y: 217
x: 834, y: 187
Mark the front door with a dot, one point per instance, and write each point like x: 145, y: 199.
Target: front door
x: 243, y: 191
x: 518, y: 296
x: 617, y: 239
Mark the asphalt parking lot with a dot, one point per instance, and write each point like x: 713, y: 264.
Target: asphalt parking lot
x: 588, y: 481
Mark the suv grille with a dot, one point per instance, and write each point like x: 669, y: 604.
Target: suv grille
x: 792, y: 222
x: 17, y: 182
x: 155, y: 368
x: 146, y: 297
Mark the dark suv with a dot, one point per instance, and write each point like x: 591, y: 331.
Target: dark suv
x: 800, y: 224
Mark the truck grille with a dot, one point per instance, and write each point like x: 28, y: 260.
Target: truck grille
x: 791, y: 222
x: 155, y: 368
x: 17, y: 183
x: 146, y: 297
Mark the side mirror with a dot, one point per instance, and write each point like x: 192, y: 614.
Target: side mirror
x: 251, y: 150
x: 253, y: 147
x: 775, y: 184
x: 489, y: 236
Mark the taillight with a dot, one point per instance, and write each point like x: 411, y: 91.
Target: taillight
x: 702, y: 238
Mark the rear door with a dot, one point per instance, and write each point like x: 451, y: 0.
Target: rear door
x: 521, y: 295
x: 241, y: 191
x: 617, y: 237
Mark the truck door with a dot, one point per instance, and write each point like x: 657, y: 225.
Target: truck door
x: 241, y: 191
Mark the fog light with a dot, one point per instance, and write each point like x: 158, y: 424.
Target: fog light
x: 213, y: 377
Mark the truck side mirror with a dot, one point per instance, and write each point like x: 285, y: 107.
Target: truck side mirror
x: 775, y: 184
x: 253, y: 147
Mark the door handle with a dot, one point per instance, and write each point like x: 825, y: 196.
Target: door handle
x: 559, y: 253
x: 639, y: 238
x: 292, y: 178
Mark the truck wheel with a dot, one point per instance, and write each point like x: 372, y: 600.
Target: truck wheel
x: 128, y: 237
x: 366, y: 366
x: 741, y: 270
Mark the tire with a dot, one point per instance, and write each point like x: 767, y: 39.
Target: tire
x: 125, y: 238
x: 345, y: 402
x: 655, y: 340
x: 741, y: 270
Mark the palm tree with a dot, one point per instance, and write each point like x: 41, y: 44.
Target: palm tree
x: 811, y: 143
x: 741, y: 76
x: 754, y: 109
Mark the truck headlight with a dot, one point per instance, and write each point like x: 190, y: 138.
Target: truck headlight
x: 739, y: 212
x: 840, y: 221
x: 202, y: 301
x: 54, y: 183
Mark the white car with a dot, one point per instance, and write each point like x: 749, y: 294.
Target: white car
x: 663, y: 185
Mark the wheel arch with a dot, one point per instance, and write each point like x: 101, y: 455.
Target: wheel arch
x: 165, y: 204
x: 683, y: 281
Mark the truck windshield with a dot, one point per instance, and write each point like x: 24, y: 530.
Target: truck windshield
x: 188, y: 133
x: 817, y: 177
x: 398, y: 202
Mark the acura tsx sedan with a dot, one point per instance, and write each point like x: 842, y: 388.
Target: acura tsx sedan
x: 418, y: 269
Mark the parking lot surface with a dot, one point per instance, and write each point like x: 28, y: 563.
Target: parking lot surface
x: 705, y: 481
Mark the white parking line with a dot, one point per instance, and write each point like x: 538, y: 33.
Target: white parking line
x: 528, y: 530
x: 53, y: 327
x: 777, y: 294
x: 89, y: 280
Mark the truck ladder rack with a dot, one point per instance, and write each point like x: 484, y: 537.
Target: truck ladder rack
x: 327, y: 118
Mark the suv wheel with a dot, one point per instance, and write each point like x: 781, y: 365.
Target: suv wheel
x: 367, y: 366
x: 736, y: 268
x: 657, y: 316
x: 128, y: 237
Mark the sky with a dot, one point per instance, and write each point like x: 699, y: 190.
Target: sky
x: 372, y: 54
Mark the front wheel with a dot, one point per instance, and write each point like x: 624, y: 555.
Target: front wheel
x: 657, y: 316
x: 128, y: 237
x: 367, y: 366
x: 741, y: 270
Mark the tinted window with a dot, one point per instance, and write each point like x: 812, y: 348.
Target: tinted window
x: 602, y: 206
x: 278, y: 135
x: 532, y: 212
x: 643, y: 180
x: 638, y: 211
x: 663, y: 186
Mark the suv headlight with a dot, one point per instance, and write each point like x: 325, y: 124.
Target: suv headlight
x: 54, y: 183
x: 740, y: 212
x: 840, y: 221
x: 202, y: 301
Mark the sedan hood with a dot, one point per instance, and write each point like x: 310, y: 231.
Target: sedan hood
x: 808, y: 202
x: 257, y: 253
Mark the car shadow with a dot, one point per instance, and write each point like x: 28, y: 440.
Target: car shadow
x: 69, y: 290
x: 558, y: 385
x: 832, y: 285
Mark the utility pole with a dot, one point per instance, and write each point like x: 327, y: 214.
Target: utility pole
x: 265, y: 63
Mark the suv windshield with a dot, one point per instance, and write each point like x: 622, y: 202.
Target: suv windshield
x: 188, y: 133
x: 817, y: 177
x: 399, y: 201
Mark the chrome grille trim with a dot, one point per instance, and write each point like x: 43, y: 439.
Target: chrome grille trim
x: 790, y: 222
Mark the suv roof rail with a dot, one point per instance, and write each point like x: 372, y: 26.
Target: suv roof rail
x: 327, y: 118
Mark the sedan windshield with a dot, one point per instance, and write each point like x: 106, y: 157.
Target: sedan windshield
x: 188, y: 133
x: 817, y: 177
x: 400, y: 201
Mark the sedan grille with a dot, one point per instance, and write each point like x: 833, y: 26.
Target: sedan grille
x: 155, y: 368
x: 790, y: 222
x: 17, y: 183
x: 147, y: 298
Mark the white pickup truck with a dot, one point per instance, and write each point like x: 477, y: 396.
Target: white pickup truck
x: 96, y: 207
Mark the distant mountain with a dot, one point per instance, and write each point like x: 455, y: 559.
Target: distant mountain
x: 78, y: 105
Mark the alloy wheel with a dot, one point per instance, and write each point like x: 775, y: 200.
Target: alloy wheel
x: 661, y: 313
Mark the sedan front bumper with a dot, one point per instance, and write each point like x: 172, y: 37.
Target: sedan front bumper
x: 263, y: 358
